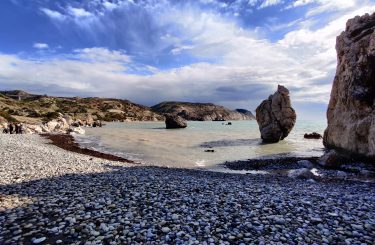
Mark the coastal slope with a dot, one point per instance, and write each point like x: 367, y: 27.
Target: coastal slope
x: 201, y: 111
x: 30, y: 108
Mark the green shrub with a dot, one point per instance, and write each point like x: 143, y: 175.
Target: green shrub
x: 50, y: 116
x: 8, y: 117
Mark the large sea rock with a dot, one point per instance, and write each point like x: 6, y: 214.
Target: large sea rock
x: 173, y: 121
x: 351, y: 110
x: 275, y: 116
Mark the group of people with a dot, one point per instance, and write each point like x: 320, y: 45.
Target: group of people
x: 14, y: 128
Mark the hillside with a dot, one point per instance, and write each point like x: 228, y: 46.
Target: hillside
x: 17, y: 105
x: 24, y: 107
x: 200, y: 111
x: 246, y: 112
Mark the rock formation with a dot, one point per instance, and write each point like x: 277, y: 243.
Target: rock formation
x: 200, y: 111
x: 275, y: 116
x: 351, y: 110
x: 173, y: 121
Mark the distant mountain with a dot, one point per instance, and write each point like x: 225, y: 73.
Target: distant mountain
x: 246, y: 112
x: 19, y: 95
x: 200, y: 111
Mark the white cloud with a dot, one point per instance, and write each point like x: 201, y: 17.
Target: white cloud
x: 109, y: 5
x: 40, y: 45
x: 304, y: 60
x: 332, y: 6
x: 252, y: 2
x: 98, y: 54
x: 53, y: 14
x: 269, y: 3
x: 179, y: 49
x: 79, y: 12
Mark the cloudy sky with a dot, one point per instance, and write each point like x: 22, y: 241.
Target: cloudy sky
x: 230, y: 52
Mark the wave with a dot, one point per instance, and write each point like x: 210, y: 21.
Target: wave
x: 227, y: 143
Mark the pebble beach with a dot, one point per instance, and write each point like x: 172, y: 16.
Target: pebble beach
x: 52, y: 196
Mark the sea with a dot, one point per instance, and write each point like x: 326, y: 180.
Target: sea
x: 152, y: 144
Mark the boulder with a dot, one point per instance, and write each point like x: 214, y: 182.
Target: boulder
x: 69, y: 120
x: 301, y: 173
x: 332, y: 160
x: 77, y: 123
x: 351, y: 109
x: 76, y: 130
x: 50, y: 126
x: 305, y: 164
x: 33, y: 129
x: 89, y: 120
x: 173, y: 121
x: 275, y: 116
x: 2, y: 120
x: 313, y: 135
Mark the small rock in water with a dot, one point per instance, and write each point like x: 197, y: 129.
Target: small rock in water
x: 209, y: 150
x: 313, y: 135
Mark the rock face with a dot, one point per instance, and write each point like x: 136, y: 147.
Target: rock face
x: 275, y: 116
x: 200, y: 111
x: 173, y: 121
x: 351, y: 110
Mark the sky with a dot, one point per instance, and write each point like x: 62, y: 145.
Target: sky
x: 230, y: 52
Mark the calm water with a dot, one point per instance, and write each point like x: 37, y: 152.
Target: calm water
x: 150, y: 142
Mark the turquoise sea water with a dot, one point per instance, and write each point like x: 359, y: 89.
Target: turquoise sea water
x: 150, y: 142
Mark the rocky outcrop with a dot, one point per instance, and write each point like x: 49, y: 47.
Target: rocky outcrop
x: 63, y: 124
x: 351, y: 110
x: 173, y: 121
x: 275, y: 116
x: 199, y: 111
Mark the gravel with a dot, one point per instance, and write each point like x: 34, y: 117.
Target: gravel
x: 51, y: 196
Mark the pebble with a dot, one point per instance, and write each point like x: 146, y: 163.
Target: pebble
x: 165, y: 229
x: 38, y: 240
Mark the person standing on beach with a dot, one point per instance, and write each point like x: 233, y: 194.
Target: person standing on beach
x: 21, y: 128
x: 11, y: 128
x: 17, y: 128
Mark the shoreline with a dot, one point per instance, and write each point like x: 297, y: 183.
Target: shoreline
x: 277, y: 166
x: 68, y: 142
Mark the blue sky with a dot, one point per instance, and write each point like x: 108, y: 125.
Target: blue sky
x: 230, y: 52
